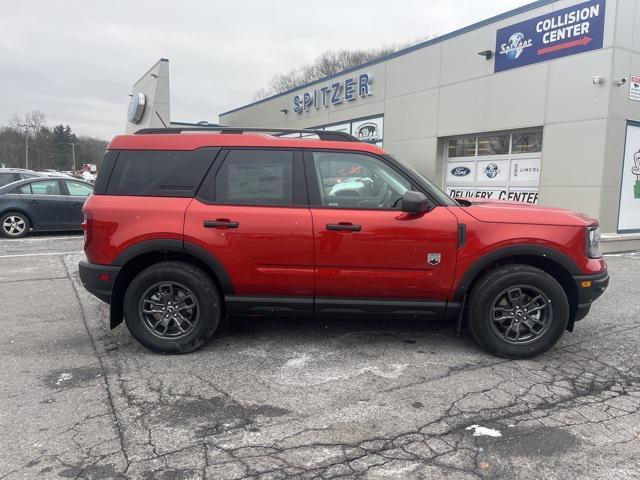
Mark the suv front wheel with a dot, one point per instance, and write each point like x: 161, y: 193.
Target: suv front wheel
x: 172, y: 307
x: 517, y: 311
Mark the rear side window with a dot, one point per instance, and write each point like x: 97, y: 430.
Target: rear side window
x: 104, y: 172
x: 77, y: 189
x: 159, y: 173
x: 255, y: 177
x: 46, y: 187
x: 8, y: 177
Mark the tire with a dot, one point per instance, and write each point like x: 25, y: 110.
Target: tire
x: 14, y: 224
x: 167, y: 285
x: 506, y: 312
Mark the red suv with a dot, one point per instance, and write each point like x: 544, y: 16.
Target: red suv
x: 189, y: 226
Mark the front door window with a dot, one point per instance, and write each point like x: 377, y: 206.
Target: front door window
x: 348, y: 180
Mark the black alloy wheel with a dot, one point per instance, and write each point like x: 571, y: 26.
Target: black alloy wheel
x: 169, y: 310
x: 517, y: 311
x: 521, y: 313
x: 172, y: 307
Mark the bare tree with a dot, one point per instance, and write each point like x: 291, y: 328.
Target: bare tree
x: 36, y: 121
x: 327, y: 64
x: 48, y: 147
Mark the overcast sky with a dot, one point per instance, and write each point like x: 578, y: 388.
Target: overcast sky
x: 75, y: 60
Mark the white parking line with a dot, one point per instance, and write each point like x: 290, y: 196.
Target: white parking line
x: 623, y: 254
x: 37, y: 239
x: 40, y: 254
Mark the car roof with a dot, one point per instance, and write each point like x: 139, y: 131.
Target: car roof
x: 195, y: 140
x: 15, y: 169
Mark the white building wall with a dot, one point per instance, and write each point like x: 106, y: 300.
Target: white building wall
x: 446, y: 89
x: 154, y: 84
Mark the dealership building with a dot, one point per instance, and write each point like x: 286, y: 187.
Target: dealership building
x: 539, y: 105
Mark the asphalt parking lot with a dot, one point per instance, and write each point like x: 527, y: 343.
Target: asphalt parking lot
x: 304, y: 399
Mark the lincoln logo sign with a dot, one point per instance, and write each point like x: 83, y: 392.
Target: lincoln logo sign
x: 564, y: 32
x: 333, y: 94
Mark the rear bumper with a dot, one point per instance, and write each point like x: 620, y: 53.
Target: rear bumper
x: 98, y: 279
x: 590, y: 287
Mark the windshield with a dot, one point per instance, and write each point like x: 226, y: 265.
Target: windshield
x: 440, y: 196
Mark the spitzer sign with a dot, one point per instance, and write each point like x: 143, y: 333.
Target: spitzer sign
x: 572, y: 30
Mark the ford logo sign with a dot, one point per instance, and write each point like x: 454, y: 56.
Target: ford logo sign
x: 460, y: 171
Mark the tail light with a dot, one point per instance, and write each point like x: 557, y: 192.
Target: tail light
x: 87, y: 227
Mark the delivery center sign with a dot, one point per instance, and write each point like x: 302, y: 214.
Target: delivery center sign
x: 564, y: 32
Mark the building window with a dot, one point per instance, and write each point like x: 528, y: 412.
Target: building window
x: 493, y: 145
x: 462, y: 147
x: 496, y: 166
x: 527, y: 142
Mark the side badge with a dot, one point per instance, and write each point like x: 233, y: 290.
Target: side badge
x: 433, y: 258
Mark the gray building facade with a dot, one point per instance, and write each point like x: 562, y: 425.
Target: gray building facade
x: 540, y: 105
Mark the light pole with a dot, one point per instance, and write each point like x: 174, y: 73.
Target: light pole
x: 73, y: 154
x: 26, y: 127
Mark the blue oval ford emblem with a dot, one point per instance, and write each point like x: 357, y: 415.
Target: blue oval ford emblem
x: 460, y: 171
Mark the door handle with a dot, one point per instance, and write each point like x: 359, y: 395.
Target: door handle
x: 32, y: 201
x: 349, y: 227
x: 220, y: 223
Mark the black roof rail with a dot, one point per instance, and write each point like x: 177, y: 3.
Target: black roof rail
x: 276, y: 132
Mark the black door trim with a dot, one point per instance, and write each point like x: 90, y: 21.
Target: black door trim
x: 380, y: 307
x: 331, y: 306
x: 268, y: 305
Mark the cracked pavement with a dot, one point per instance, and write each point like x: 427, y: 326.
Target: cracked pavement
x: 302, y: 399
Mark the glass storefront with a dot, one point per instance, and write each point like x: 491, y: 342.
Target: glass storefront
x: 496, y: 166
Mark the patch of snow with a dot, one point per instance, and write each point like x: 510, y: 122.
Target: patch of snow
x: 390, y: 371
x: 63, y: 378
x: 298, y: 362
x: 479, y: 431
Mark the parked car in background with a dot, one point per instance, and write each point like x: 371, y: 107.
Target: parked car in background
x: 55, y: 173
x: 10, y: 175
x: 42, y: 204
x: 88, y: 177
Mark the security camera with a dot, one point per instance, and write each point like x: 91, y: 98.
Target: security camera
x: 621, y: 82
x: 597, y: 79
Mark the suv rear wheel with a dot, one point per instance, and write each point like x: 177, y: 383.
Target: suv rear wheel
x: 517, y: 311
x: 172, y: 307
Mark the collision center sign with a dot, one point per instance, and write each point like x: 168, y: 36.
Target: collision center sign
x: 564, y: 32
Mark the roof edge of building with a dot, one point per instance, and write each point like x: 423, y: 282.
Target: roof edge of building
x: 404, y: 51
x: 150, y: 69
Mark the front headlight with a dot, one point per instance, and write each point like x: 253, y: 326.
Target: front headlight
x: 594, y: 247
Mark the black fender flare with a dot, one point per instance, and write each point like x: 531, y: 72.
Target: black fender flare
x: 516, y: 250
x: 163, y: 245
x: 170, y: 245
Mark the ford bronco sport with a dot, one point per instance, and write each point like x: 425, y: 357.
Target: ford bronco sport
x: 187, y: 227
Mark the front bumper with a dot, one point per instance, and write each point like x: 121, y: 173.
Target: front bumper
x: 590, y: 287
x: 98, y: 279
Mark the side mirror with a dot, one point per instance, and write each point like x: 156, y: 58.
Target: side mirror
x: 414, y: 202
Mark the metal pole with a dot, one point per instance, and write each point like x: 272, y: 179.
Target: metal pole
x: 26, y: 144
x: 73, y: 154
